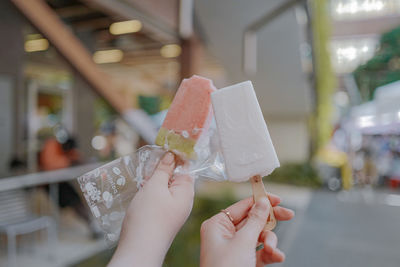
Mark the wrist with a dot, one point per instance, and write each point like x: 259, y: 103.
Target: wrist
x: 136, y: 258
x: 142, y: 248
x: 143, y: 254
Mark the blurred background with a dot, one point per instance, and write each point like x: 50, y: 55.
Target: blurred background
x: 85, y: 81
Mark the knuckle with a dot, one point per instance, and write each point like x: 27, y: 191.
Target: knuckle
x: 258, y: 214
x: 262, y: 204
x: 163, y: 170
x: 205, y: 227
x: 227, y: 224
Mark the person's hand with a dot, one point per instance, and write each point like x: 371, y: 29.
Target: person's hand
x: 233, y: 243
x: 154, y: 217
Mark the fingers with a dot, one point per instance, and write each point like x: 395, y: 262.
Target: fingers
x: 217, y: 228
x: 164, y: 169
x: 221, y: 221
x: 257, y: 217
x: 183, y: 187
x: 283, y: 214
x: 274, y: 199
x: 220, y: 224
x: 270, y: 241
x: 276, y: 256
x: 239, y: 210
x: 270, y: 253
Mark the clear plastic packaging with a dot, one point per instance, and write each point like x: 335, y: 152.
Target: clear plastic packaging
x: 110, y: 188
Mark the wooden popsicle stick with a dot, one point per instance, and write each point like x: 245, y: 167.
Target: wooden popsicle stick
x: 259, y: 192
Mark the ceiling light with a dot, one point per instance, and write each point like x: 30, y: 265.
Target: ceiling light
x: 366, y: 121
x: 170, y: 50
x: 124, y: 27
x: 108, y: 56
x: 358, y: 6
x: 33, y: 36
x: 36, y: 45
x: 349, y: 53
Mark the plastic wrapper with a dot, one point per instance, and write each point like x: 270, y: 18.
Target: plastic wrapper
x: 110, y: 188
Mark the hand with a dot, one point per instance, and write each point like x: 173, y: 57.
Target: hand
x: 154, y: 217
x: 231, y: 244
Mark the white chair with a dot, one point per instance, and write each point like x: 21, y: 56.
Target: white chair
x: 17, y: 218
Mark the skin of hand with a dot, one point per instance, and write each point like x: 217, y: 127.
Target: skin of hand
x: 154, y: 217
x: 233, y: 244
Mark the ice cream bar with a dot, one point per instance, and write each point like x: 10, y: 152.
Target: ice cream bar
x: 188, y: 117
x: 245, y: 141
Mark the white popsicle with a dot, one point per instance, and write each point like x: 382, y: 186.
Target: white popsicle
x: 245, y: 141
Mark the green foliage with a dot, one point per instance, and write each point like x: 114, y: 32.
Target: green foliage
x: 383, y: 68
x: 185, y: 250
x: 301, y: 174
x: 98, y: 260
x: 150, y: 104
x: 103, y: 112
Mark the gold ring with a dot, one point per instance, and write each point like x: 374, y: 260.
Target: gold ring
x: 227, y: 214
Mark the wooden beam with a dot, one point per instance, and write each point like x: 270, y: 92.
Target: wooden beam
x: 166, y: 11
x: 92, y: 24
x: 191, y: 56
x: 48, y: 23
x: 74, y: 11
x: 126, y: 10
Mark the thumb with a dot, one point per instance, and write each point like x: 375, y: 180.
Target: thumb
x: 183, y: 187
x: 164, y: 169
x: 257, y: 218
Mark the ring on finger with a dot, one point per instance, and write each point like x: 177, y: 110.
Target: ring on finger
x: 227, y: 214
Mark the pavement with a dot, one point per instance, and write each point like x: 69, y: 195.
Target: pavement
x: 360, y: 228
x: 356, y: 228
x: 74, y: 244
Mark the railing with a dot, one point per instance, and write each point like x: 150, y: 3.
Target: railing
x: 51, y: 178
x: 43, y: 178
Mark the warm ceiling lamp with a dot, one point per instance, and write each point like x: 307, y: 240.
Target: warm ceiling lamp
x: 170, y: 50
x: 108, y: 56
x: 36, y: 45
x: 124, y: 27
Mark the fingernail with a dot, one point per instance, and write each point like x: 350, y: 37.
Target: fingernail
x: 271, y: 242
x: 268, y: 249
x: 293, y: 213
x: 168, y: 158
x: 281, y: 256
